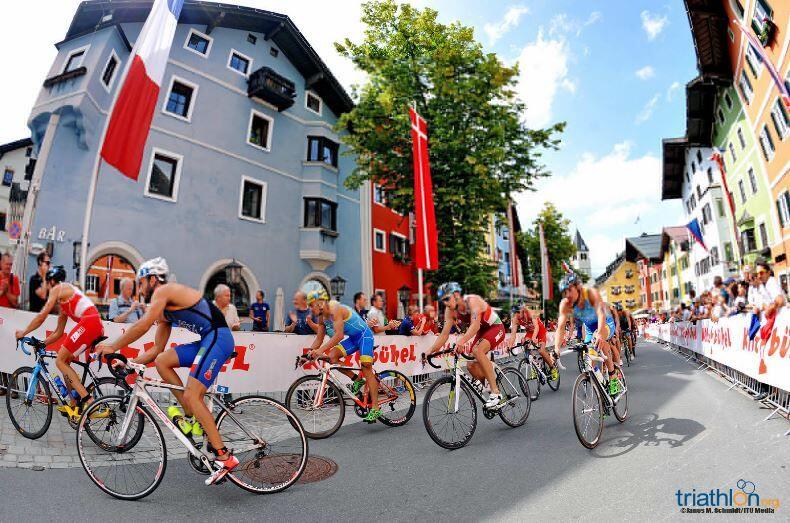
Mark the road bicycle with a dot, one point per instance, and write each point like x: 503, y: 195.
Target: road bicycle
x: 625, y: 346
x: 449, y: 409
x: 263, y: 434
x: 591, y: 399
x: 30, y: 399
x: 534, y: 369
x: 319, y: 400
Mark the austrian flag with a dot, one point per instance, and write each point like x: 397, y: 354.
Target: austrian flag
x: 133, y: 110
x: 426, y: 234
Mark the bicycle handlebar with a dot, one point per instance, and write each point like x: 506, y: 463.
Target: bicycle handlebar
x: 304, y: 358
x: 33, y: 342
x: 428, y: 357
x: 117, y: 371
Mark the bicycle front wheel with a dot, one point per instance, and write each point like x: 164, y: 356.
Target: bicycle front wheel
x: 448, y: 426
x: 29, y: 404
x: 553, y: 384
x: 512, y: 387
x: 269, y: 442
x: 130, y: 468
x: 531, y: 377
x: 320, y: 408
x: 587, y: 411
x: 398, y: 397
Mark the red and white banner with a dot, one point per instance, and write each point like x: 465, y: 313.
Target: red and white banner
x: 427, y: 256
x: 727, y: 342
x: 545, y: 267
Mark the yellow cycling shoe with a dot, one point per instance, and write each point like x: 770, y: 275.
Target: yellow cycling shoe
x: 197, y: 430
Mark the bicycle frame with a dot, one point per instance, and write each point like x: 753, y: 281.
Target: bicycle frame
x: 530, y: 350
x: 462, y: 376
x: 40, y: 369
x: 328, y: 372
x: 588, y: 369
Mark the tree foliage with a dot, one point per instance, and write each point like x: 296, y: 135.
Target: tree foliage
x: 480, y: 149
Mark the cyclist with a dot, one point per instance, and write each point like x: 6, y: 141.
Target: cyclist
x: 586, y: 306
x: 626, y: 324
x: 74, y: 305
x: 485, y: 329
x: 350, y: 335
x: 173, y: 304
x: 615, y: 342
x: 535, y: 331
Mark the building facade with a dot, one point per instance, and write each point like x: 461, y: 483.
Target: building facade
x: 16, y: 162
x: 242, y: 161
x: 619, y: 283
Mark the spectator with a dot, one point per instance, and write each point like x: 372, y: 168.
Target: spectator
x: 38, y: 286
x: 720, y: 308
x: 124, y: 308
x: 260, y: 312
x: 768, y: 300
x: 376, y: 319
x: 9, y: 283
x: 430, y: 320
x: 740, y: 301
x: 360, y: 302
x: 413, y: 323
x: 222, y: 301
x: 719, y: 288
x: 300, y: 319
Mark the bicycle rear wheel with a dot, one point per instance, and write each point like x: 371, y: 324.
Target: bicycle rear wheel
x: 512, y: 386
x: 269, y: 442
x: 128, y: 469
x: 31, y: 417
x: 400, y: 409
x: 621, y: 407
x: 624, y: 348
x: 587, y: 411
x: 448, y: 427
x: 530, y: 377
x: 322, y: 420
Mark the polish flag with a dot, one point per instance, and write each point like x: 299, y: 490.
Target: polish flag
x: 426, y: 235
x: 131, y: 115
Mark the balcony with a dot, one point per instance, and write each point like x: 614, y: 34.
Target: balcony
x: 266, y: 85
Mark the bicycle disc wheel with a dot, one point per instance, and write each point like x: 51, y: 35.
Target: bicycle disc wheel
x: 269, y: 442
x: 127, y: 469
x: 511, y: 386
x: 31, y: 417
x: 553, y: 384
x: 531, y: 378
x: 621, y: 407
x: 399, y: 410
x: 587, y: 411
x: 322, y: 420
x: 448, y: 427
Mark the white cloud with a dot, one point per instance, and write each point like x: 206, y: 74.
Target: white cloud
x: 622, y: 214
x: 645, y: 73
x: 647, y: 111
x: 543, y: 66
x: 671, y: 91
x: 497, y: 30
x: 603, y: 250
x: 562, y: 24
x: 653, y: 24
x: 594, y: 17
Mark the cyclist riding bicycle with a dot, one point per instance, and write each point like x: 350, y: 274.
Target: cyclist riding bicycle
x: 626, y: 323
x: 586, y: 306
x: 485, y: 329
x: 535, y: 331
x: 173, y: 304
x: 615, y: 341
x: 350, y: 334
x: 74, y: 305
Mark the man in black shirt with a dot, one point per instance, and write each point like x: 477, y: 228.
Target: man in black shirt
x: 37, y: 287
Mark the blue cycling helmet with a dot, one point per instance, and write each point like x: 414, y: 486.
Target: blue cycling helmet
x: 568, y: 280
x: 446, y: 289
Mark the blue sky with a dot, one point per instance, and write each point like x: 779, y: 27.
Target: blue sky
x: 613, y: 69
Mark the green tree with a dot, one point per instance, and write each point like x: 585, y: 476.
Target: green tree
x: 480, y: 149
x: 559, y: 245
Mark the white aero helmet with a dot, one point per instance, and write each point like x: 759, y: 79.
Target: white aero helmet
x: 153, y: 267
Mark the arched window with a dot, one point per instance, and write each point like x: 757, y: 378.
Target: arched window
x: 239, y: 293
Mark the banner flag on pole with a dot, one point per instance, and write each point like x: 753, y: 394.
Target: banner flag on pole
x: 426, y: 236
x: 545, y: 268
x: 512, y: 240
x: 696, y: 232
x: 758, y: 49
x: 719, y: 159
x: 133, y: 111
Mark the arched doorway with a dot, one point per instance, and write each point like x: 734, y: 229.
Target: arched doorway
x: 314, y: 285
x: 239, y: 293
x: 105, y: 273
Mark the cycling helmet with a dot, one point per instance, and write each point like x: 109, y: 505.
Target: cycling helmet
x: 315, y: 295
x: 57, y: 273
x: 154, y: 267
x: 446, y: 289
x: 568, y: 280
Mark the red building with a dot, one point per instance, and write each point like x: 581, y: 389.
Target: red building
x: 103, y: 282
x: 645, y: 250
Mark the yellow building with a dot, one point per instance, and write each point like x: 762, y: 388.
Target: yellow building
x: 676, y: 280
x: 620, y: 283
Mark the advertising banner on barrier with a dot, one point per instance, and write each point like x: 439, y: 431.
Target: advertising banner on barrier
x: 265, y: 361
x: 727, y: 342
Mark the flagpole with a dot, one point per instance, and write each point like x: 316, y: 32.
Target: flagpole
x: 419, y: 289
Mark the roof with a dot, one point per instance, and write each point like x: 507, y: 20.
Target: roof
x: 644, y: 246
x: 673, y: 162
x: 578, y: 241
x: 700, y: 105
x: 277, y: 27
x: 708, y: 23
x: 13, y: 146
x: 678, y: 234
x: 610, y: 269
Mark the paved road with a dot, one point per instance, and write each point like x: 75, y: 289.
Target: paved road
x: 685, y: 431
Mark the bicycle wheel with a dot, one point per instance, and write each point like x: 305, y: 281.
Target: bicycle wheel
x: 31, y: 417
x: 553, y: 384
x: 125, y: 469
x: 399, y: 410
x: 448, y: 427
x: 269, y: 442
x: 621, y: 407
x: 107, y: 386
x: 511, y: 386
x: 531, y: 378
x: 624, y: 349
x: 580, y: 361
x: 587, y: 411
x: 322, y: 420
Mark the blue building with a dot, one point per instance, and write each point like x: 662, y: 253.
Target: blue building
x: 242, y: 162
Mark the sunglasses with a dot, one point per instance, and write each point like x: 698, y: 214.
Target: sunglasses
x: 446, y: 299
x: 46, y: 262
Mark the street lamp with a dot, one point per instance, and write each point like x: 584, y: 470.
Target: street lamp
x: 404, y: 293
x: 337, y: 286
x: 233, y: 272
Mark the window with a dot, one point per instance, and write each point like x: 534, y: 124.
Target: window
x: 763, y: 235
x: 321, y: 149
x: 260, y: 133
x: 728, y: 101
x: 699, y: 192
x: 399, y: 247
x: 783, y: 209
x: 251, y: 38
x: 699, y: 156
x: 2, y: 221
x: 728, y: 254
x: 116, y: 286
x: 747, y: 239
x: 741, y: 139
x: 252, y: 200
x: 754, y: 61
x: 746, y: 87
x: 8, y: 177
x: 707, y: 216
x: 320, y: 213
x: 274, y: 52
x: 732, y: 152
x: 780, y: 119
x: 767, y: 144
x: 179, y: 101
x: 720, y: 207
x: 714, y: 255
x: 379, y: 194
x: 239, y: 62
x: 91, y: 283
x: 752, y: 181
x: 710, y: 176
x: 742, y: 191
x: 693, y: 167
x: 583, y: 256
x: 74, y: 59
x: 108, y: 75
x: 720, y: 116
x: 312, y: 102
x: 198, y: 43
x: 379, y: 241
x: 163, y: 175
x: 761, y: 11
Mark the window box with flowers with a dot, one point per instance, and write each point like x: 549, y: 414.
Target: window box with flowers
x: 401, y: 258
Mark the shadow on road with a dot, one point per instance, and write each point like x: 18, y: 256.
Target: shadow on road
x: 649, y: 430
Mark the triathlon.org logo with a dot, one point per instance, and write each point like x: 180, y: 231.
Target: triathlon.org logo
x: 743, y: 499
